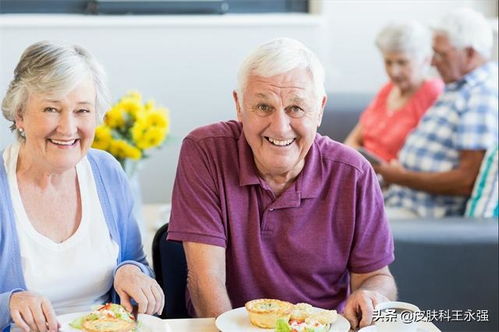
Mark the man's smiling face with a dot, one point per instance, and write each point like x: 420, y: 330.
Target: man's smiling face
x: 280, y: 115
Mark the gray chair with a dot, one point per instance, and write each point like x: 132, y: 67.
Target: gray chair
x: 448, y: 263
x: 342, y: 114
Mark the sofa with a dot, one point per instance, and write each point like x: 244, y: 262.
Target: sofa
x: 440, y: 264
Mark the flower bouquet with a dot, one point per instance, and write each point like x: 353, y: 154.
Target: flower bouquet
x: 131, y: 127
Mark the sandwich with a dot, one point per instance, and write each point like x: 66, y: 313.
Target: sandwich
x: 109, y: 317
x: 305, y: 318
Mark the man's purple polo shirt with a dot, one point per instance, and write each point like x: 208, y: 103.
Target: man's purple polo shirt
x: 298, y: 247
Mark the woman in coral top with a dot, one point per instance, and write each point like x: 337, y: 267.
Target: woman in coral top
x: 398, y: 106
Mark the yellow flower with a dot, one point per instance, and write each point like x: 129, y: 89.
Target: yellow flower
x: 149, y: 105
x: 134, y: 95
x: 122, y: 149
x: 102, y: 138
x: 115, y: 117
x: 158, y: 118
x: 138, y: 129
x: 152, y: 137
x: 131, y: 106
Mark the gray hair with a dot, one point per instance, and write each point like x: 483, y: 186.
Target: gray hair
x: 48, y: 67
x: 279, y: 56
x: 410, y: 37
x: 466, y: 28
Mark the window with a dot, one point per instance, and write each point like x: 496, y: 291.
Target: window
x: 153, y: 6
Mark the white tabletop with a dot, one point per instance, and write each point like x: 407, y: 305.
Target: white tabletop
x: 192, y: 324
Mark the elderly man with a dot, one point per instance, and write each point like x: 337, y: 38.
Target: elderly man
x: 267, y: 208
x: 440, y: 160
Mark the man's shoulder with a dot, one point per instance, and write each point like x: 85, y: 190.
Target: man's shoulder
x: 225, y: 129
x: 339, y: 154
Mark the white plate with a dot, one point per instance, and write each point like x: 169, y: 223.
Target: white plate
x: 148, y: 323
x: 238, y: 320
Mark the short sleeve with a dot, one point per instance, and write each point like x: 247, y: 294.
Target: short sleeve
x: 484, y: 198
x: 372, y: 247
x: 477, y: 129
x: 196, y: 214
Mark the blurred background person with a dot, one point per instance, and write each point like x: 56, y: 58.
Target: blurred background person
x: 67, y: 233
x: 398, y: 106
x: 437, y: 166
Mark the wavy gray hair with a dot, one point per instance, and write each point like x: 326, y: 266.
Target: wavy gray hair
x: 49, y: 67
x: 411, y: 38
x: 466, y: 28
x: 277, y: 57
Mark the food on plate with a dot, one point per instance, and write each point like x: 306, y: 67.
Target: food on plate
x: 109, y: 317
x: 285, y: 317
x: 264, y: 313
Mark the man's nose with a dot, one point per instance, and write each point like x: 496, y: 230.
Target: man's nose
x: 280, y: 121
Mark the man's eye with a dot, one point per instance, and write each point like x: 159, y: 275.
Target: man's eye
x: 83, y: 110
x: 295, y: 111
x: 263, y: 107
x: 50, y: 110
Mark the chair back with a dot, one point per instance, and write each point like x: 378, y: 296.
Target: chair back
x: 170, y: 267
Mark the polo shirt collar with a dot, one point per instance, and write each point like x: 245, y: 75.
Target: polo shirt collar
x: 307, y: 184
x: 248, y: 174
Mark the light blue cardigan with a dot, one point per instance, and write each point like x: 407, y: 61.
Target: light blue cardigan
x: 117, y: 203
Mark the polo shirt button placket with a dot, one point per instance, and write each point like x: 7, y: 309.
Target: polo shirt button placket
x: 271, y: 209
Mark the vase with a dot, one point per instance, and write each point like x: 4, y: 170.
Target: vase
x: 132, y: 168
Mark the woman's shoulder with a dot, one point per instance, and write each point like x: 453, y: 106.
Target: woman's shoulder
x: 104, y: 163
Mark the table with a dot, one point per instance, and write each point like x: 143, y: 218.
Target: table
x: 192, y: 324
x: 208, y: 325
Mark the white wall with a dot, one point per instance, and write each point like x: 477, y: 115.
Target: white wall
x: 188, y: 63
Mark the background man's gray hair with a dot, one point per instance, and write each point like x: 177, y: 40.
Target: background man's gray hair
x: 279, y: 56
x: 411, y: 38
x: 53, y: 69
x: 466, y: 28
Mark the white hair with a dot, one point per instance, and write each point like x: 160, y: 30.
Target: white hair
x: 411, y: 38
x: 55, y: 69
x: 279, y: 56
x: 465, y: 27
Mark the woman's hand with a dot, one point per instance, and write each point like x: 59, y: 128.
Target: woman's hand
x: 32, y: 312
x: 130, y: 282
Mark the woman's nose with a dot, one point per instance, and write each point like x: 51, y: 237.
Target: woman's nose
x: 67, y: 124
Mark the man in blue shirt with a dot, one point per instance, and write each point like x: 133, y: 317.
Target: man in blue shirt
x: 436, y: 169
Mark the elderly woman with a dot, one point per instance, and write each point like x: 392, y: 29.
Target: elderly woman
x: 398, y: 106
x: 67, y: 233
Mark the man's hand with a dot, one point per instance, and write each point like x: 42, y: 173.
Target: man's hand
x: 390, y: 171
x: 368, y: 289
x: 130, y: 282
x: 32, y: 312
x: 360, y: 307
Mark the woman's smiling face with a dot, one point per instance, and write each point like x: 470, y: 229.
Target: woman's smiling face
x: 59, y: 130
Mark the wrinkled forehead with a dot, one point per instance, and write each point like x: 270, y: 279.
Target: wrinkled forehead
x: 295, y: 84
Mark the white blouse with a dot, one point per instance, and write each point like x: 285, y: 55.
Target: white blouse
x: 77, y: 273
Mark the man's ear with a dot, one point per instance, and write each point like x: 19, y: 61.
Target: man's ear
x: 238, y: 105
x: 323, y: 105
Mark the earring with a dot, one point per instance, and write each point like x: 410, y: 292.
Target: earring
x: 21, y: 132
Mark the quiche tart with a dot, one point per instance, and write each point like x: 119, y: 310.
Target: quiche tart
x: 264, y: 313
x: 109, y: 317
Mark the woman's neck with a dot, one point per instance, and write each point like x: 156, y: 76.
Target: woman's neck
x: 29, y: 170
